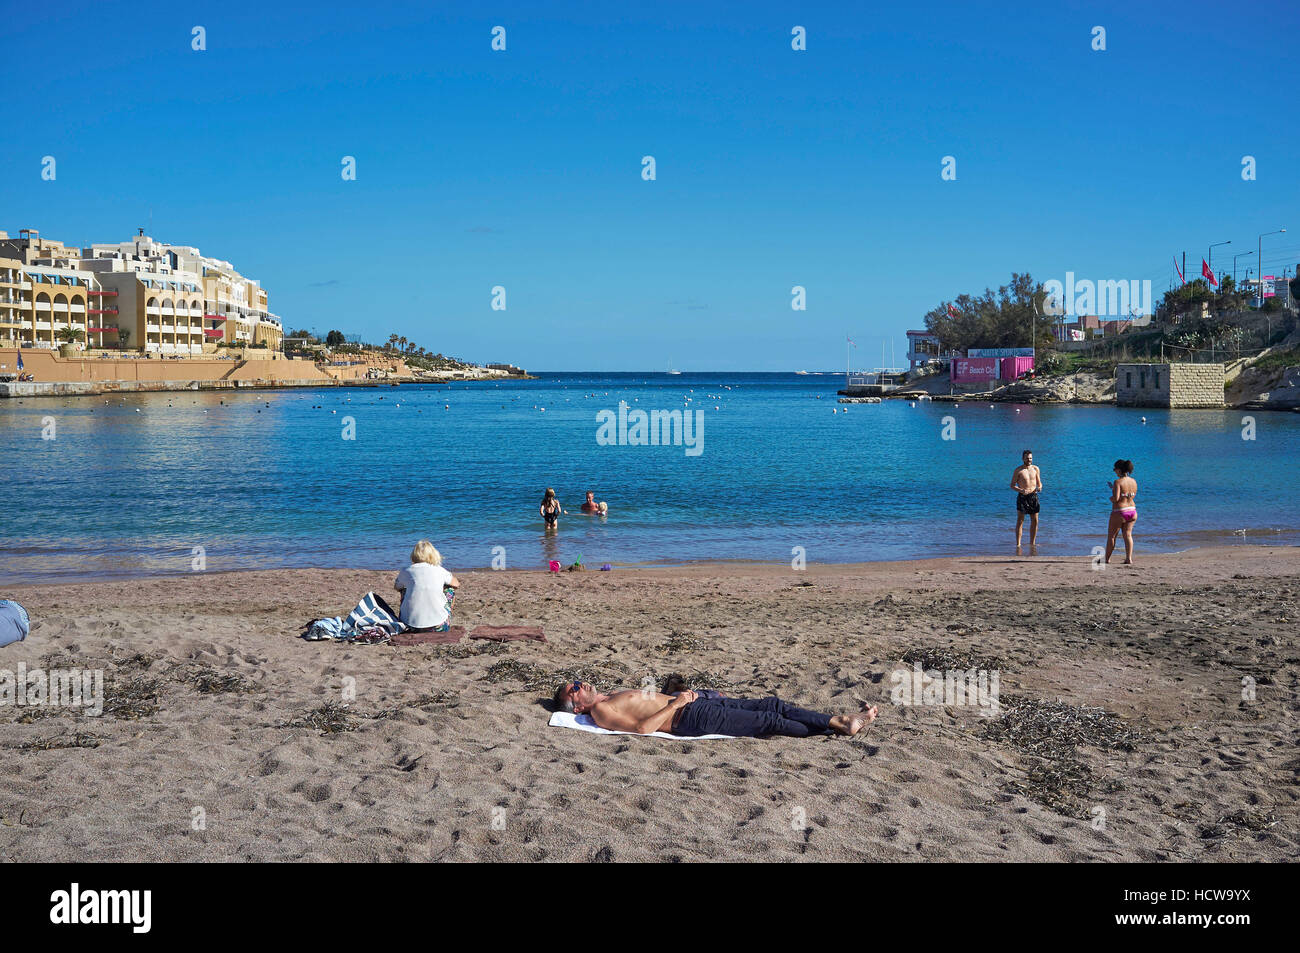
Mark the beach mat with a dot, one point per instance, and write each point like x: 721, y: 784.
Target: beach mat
x: 451, y: 636
x: 509, y: 633
x: 567, y: 719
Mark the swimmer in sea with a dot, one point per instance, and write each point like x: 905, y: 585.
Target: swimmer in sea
x: 1123, y: 509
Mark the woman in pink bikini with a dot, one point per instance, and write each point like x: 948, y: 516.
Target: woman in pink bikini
x: 1123, y: 509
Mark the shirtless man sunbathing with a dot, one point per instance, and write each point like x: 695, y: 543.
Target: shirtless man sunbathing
x: 694, y: 713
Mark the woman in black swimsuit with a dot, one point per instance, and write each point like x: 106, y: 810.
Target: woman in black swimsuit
x: 550, y: 509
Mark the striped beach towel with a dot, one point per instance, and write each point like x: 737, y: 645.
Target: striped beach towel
x: 373, y: 611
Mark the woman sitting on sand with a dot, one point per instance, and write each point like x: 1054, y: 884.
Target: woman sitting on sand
x: 550, y: 509
x: 427, y: 590
x: 1123, y: 509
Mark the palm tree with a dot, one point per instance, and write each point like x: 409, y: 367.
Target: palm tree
x: 70, y: 335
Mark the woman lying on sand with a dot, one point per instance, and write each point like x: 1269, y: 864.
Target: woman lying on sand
x: 691, y: 714
x: 427, y: 590
x: 1123, y: 509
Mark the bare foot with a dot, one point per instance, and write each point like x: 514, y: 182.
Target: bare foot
x: 851, y: 724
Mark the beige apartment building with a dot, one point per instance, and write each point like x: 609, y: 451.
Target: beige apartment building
x: 42, y: 291
x: 138, y: 295
x: 231, y: 309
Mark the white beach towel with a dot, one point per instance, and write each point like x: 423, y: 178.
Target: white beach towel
x: 567, y: 719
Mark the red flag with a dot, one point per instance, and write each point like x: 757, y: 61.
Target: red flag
x: 951, y: 312
x: 1205, y: 270
x: 1181, y: 279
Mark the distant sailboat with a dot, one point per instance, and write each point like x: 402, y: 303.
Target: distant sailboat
x: 670, y: 368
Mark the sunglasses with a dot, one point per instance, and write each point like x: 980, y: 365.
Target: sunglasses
x: 575, y: 688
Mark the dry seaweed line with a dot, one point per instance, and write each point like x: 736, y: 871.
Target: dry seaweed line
x: 1052, y: 732
x: 949, y: 660
x: 74, y: 739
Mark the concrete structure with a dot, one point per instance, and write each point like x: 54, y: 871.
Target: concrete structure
x: 1169, y: 385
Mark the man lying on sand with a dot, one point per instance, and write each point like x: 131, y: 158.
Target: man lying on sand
x: 690, y: 714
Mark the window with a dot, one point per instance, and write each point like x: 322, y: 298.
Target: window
x: 1128, y: 378
x: 1143, y: 385
x: 1156, y: 384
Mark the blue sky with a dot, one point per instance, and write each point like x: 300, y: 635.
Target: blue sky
x: 775, y: 168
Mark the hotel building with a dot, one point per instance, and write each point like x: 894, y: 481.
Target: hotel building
x: 43, y: 291
x: 231, y: 309
x: 140, y: 295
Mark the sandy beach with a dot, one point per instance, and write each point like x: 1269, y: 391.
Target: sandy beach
x: 1124, y: 732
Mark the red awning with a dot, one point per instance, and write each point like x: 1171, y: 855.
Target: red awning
x: 100, y: 330
x: 215, y: 334
x: 215, y: 317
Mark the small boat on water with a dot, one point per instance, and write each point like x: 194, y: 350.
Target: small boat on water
x: 670, y: 369
x: 802, y: 373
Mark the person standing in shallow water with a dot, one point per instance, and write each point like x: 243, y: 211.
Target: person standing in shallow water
x: 1027, y: 481
x: 550, y: 509
x: 1123, y: 510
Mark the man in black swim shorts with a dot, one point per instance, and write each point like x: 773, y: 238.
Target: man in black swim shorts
x: 1027, y: 481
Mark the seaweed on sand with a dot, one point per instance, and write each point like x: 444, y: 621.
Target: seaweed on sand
x: 679, y: 641
x: 539, y: 678
x: 1051, y: 733
x: 330, y: 718
x: 71, y: 739
x: 949, y: 659
x: 131, y: 699
x: 211, y: 682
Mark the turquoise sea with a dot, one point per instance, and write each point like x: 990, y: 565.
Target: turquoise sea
x: 139, y: 484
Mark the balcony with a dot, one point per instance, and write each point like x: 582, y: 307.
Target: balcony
x: 107, y: 294
x: 101, y: 310
x: 215, y: 317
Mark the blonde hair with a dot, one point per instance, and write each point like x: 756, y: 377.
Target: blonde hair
x: 425, y: 553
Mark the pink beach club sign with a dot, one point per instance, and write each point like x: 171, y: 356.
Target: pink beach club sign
x: 967, y: 370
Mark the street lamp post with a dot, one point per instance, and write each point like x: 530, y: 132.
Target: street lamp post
x: 1260, y: 249
x: 1209, y: 258
x: 1234, y: 265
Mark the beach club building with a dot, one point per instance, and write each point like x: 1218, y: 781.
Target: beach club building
x: 987, y: 365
